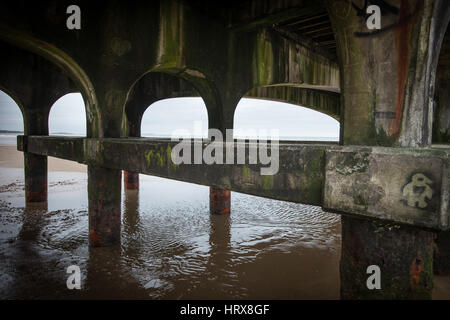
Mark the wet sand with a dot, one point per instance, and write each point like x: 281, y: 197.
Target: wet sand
x: 171, y: 247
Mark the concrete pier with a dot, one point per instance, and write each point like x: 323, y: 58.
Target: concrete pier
x: 104, y: 190
x: 379, y: 84
x: 403, y: 254
x: 441, y: 136
x: 388, y: 108
x: 441, y: 263
x: 35, y: 178
x: 130, y: 180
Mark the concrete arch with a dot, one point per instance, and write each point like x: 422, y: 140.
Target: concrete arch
x: 71, y: 117
x: 164, y: 83
x: 17, y: 102
x: 35, y: 83
x: 257, y: 115
x: 65, y: 65
x: 175, y: 117
x: 14, y: 97
x: 317, y: 99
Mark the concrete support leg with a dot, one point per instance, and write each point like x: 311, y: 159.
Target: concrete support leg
x: 131, y: 216
x: 130, y: 180
x: 403, y: 254
x: 35, y: 178
x: 104, y: 192
x: 441, y: 264
x: 387, y: 106
x: 219, y: 201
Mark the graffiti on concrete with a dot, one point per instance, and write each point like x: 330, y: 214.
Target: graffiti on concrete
x: 417, y: 191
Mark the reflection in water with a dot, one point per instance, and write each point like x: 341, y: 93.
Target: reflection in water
x: 172, y: 248
x: 131, y: 223
x: 33, y: 221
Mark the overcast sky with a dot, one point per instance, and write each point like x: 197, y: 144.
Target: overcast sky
x: 163, y: 117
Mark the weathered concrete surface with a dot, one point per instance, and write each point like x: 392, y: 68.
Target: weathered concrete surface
x: 130, y: 180
x: 387, y: 184
x: 156, y: 86
x: 152, y: 87
x: 441, y: 263
x: 69, y: 148
x: 325, y: 101
x: 300, y: 65
x: 387, y: 86
x: 189, y: 43
x: 219, y: 201
x: 104, y: 190
x: 387, y: 77
x: 255, y: 14
x: 35, y: 177
x: 404, y: 255
x: 299, y: 179
x: 441, y: 134
x: 34, y: 83
x: 441, y: 123
x: 364, y: 181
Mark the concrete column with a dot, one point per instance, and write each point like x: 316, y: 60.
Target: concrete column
x: 131, y: 180
x: 441, y: 263
x: 441, y: 123
x: 386, y: 86
x: 403, y: 254
x: 35, y: 166
x: 219, y: 201
x: 441, y: 135
x: 104, y: 192
x: 134, y: 112
x: 35, y: 177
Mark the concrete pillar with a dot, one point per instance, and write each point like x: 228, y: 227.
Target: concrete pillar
x: 441, y: 135
x: 403, y: 254
x: 132, y: 128
x: 219, y: 201
x: 130, y: 180
x: 386, y: 85
x: 441, y: 263
x: 35, y: 166
x: 441, y: 123
x: 104, y: 192
x: 35, y: 177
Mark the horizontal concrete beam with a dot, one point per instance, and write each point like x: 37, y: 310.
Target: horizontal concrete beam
x: 402, y: 185
x: 299, y: 179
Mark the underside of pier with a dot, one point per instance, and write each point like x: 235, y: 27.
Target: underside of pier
x: 389, y: 175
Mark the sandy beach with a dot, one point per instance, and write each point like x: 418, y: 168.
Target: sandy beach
x: 11, y: 158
